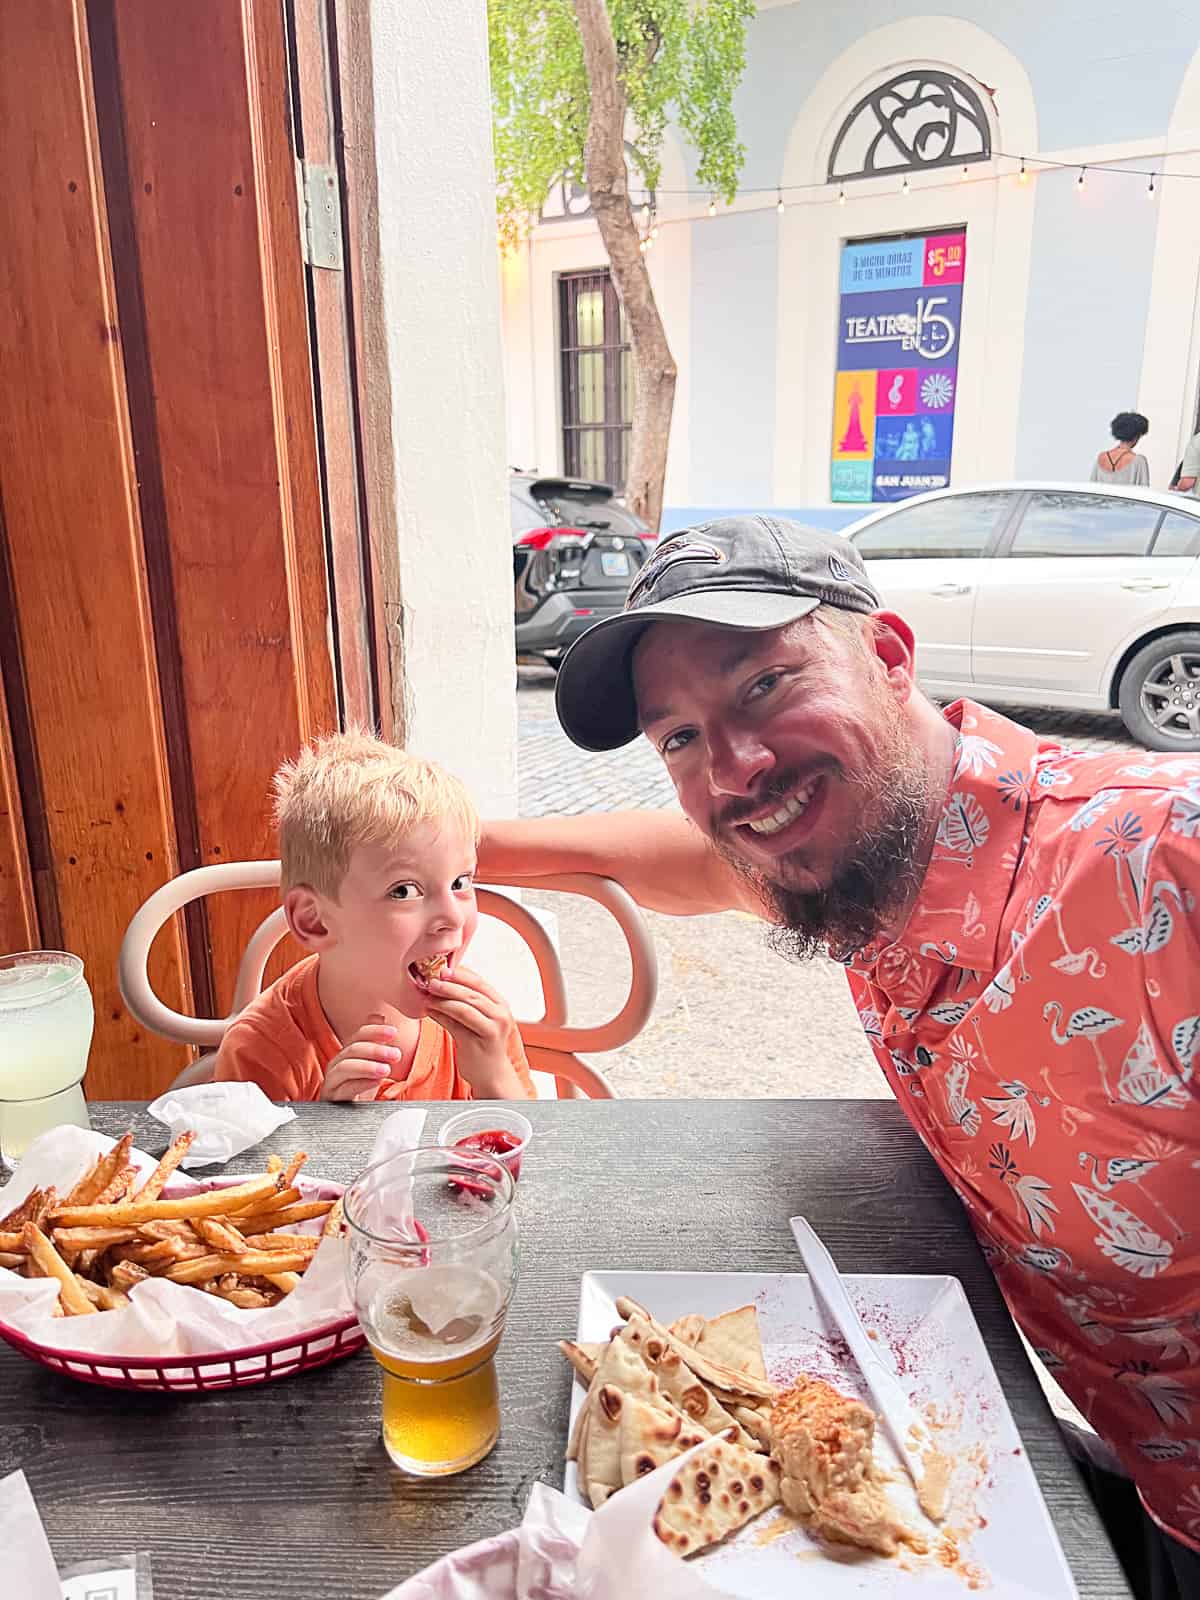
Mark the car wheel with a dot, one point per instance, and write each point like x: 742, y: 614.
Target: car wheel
x: 1160, y: 693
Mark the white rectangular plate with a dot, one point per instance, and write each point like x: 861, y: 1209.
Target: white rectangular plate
x: 997, y: 1539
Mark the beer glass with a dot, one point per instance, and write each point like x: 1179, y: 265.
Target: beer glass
x: 431, y: 1259
x: 45, y: 1035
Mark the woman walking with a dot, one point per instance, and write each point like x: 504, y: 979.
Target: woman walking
x: 1122, y: 464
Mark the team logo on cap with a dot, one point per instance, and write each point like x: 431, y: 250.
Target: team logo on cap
x: 674, y: 550
x: 840, y: 570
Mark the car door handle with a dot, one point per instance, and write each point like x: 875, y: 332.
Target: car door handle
x: 951, y: 589
x: 1144, y: 585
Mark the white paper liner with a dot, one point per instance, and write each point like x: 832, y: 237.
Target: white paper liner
x: 226, y: 1118
x: 562, y: 1551
x: 171, y: 1319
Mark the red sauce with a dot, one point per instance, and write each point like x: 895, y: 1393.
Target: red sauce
x: 493, y: 1142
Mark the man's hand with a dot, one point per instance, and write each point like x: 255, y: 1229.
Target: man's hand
x: 479, y: 1022
x: 1186, y: 485
x: 358, y: 1069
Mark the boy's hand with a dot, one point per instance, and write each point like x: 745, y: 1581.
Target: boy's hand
x: 358, y: 1069
x: 479, y: 1022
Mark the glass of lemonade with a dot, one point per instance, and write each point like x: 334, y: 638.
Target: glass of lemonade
x: 431, y: 1260
x: 45, y: 1035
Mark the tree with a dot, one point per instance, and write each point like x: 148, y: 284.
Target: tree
x: 576, y: 84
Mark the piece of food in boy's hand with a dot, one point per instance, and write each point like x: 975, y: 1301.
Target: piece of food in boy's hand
x: 431, y: 967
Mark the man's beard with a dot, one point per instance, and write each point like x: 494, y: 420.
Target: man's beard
x: 876, y: 877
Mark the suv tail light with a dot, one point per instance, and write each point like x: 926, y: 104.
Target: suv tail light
x: 539, y: 538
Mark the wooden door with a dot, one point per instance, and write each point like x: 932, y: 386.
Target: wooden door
x: 170, y: 633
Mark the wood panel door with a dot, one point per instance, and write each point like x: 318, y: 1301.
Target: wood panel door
x: 170, y: 630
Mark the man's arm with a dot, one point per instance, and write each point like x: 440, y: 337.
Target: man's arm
x: 660, y: 857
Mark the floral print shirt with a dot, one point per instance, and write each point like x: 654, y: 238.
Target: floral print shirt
x: 1039, y: 1022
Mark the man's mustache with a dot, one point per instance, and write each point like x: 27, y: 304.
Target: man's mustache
x: 778, y: 788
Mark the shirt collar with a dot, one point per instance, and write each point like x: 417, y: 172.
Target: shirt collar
x: 978, y: 845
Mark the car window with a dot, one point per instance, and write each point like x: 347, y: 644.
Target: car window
x: 1178, y: 535
x: 525, y: 516
x: 584, y: 509
x: 1085, y: 525
x: 960, y: 525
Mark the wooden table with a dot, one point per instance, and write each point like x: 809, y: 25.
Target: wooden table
x: 283, y: 1490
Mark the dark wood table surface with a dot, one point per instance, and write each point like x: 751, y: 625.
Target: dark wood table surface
x: 283, y: 1490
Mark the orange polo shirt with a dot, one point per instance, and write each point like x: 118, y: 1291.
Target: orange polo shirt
x: 1039, y: 1021
x: 283, y: 1042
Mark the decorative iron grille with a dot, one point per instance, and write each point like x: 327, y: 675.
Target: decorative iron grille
x: 597, y: 378
x: 918, y: 119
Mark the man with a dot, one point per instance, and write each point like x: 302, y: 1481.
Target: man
x: 1018, y: 926
x: 1189, y: 467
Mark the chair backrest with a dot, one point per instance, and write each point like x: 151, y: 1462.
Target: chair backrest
x: 551, y: 1044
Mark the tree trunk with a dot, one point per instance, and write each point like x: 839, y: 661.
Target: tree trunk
x: 608, y: 186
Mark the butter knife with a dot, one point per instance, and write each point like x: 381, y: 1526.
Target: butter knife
x: 908, y: 1433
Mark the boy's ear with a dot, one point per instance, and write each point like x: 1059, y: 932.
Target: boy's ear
x: 306, y: 918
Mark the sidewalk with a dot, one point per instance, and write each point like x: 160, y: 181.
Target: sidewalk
x: 732, y: 1019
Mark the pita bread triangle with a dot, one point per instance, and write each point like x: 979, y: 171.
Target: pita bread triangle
x: 733, y: 1340
x: 650, y: 1437
x: 679, y: 1383
x: 714, y: 1493
x: 714, y: 1372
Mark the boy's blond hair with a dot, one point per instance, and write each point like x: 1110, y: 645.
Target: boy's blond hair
x: 350, y: 789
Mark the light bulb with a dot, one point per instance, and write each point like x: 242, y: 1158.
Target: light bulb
x: 1022, y: 176
x: 841, y: 197
x: 965, y: 174
x: 645, y: 213
x: 1079, y: 180
x: 779, y: 205
x: 712, y: 208
x: 904, y: 187
x: 1150, y: 190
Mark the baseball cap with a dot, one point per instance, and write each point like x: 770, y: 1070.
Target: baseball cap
x: 738, y: 572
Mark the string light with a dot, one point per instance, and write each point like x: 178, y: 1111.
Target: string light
x: 712, y: 207
x: 1150, y: 190
x: 841, y: 197
x: 1022, y: 176
x: 645, y: 213
x: 779, y: 205
x: 904, y: 185
x: 965, y: 174
x: 1079, y: 180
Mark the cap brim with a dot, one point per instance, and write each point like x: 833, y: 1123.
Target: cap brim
x: 594, y: 696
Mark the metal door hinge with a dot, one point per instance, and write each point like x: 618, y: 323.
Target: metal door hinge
x: 320, y: 215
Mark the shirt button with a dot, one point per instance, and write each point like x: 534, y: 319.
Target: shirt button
x: 925, y: 1057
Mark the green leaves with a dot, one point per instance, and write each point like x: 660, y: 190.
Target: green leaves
x: 678, y: 60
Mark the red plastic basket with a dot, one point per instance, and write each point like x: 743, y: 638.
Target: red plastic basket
x: 230, y: 1369
x: 224, y: 1369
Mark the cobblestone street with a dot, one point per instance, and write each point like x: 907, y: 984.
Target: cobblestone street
x: 733, y: 1018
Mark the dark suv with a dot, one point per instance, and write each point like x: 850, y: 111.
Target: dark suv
x: 576, y: 550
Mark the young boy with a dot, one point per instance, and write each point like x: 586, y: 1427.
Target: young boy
x: 378, y: 861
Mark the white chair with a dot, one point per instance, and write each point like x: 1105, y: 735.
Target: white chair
x: 551, y: 1044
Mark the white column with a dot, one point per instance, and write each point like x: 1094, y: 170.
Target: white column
x: 441, y: 316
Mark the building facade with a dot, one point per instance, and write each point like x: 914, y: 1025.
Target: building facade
x: 914, y: 285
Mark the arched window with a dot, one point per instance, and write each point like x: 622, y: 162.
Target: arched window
x: 923, y: 117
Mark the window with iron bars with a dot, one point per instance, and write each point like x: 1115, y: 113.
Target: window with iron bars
x: 597, y: 378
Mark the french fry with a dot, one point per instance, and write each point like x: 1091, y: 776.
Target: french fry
x: 126, y: 1274
x: 109, y: 1299
x: 247, y: 1264
x: 50, y: 1264
x: 172, y: 1156
x: 118, y: 1188
x: 211, y: 1203
x: 102, y: 1174
x: 223, y: 1238
x: 333, y: 1222
x: 46, y: 1204
x: 72, y: 1240
x: 287, y: 1281
x: 167, y: 1230
x: 265, y: 1221
x: 247, y: 1299
x: 293, y: 1167
x: 10, y: 1241
x: 274, y: 1163
x: 12, y: 1259
x: 300, y: 1243
x: 16, y: 1220
x: 286, y: 1196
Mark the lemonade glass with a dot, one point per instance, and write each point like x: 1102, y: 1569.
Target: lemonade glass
x: 431, y: 1260
x: 45, y: 1034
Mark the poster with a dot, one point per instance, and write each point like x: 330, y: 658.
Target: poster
x: 899, y: 321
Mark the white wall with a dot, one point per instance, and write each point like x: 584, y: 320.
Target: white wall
x: 441, y: 307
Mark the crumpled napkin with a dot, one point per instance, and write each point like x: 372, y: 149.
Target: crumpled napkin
x: 227, y: 1118
x: 29, y: 1568
x: 562, y: 1551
